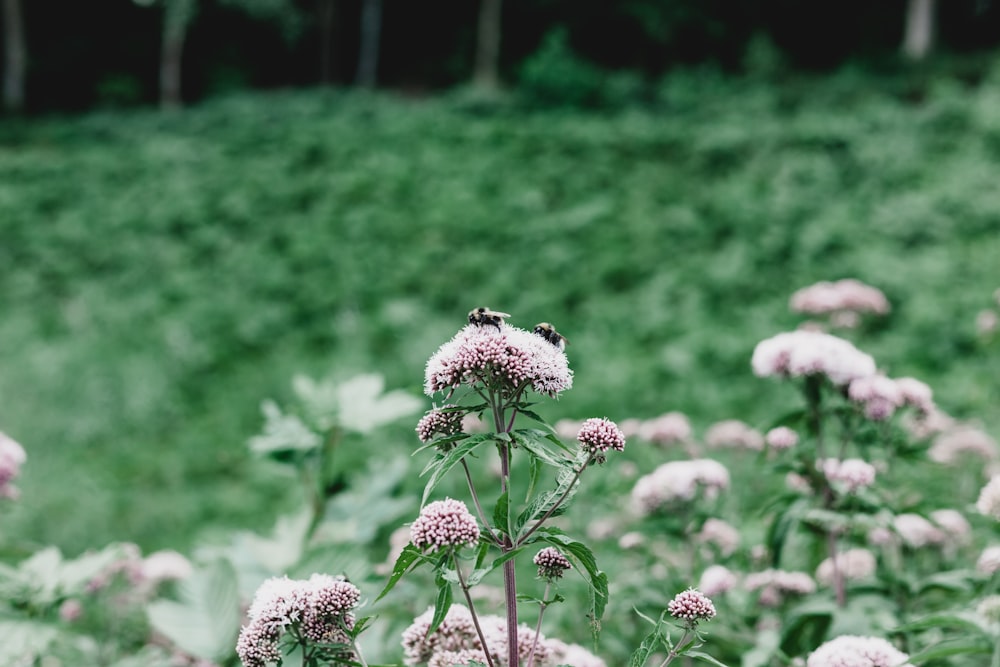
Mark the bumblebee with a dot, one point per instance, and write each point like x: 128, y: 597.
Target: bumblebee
x: 549, y: 333
x: 484, y: 316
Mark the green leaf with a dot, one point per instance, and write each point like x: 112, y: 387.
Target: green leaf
x: 206, y: 620
x: 961, y: 646
x: 283, y: 433
x: 449, y: 460
x: 545, y: 501
x: 971, y: 623
x: 534, y: 471
x: 501, y: 513
x: 537, y: 443
x: 441, y: 606
x: 409, y: 556
x: 647, y: 646
x: 704, y: 657
x: 804, y: 631
x: 763, y: 651
x: 24, y: 642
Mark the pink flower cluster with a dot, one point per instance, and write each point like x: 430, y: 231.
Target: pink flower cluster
x: 12, y: 457
x: 988, y: 503
x: 781, y: 438
x: 506, y: 357
x: 716, y: 580
x: 851, y: 474
x: 915, y: 531
x: 318, y: 609
x: 444, y: 523
x: 551, y: 563
x: 856, y: 651
x: 848, y: 295
x: 989, y: 560
x: 775, y: 585
x: 446, y: 420
x: 881, y: 396
x: 667, y: 429
x: 957, y: 441
x: 853, y: 564
x: 678, y: 482
x: 598, y: 436
x: 692, y: 606
x: 456, y: 639
x: 721, y: 534
x: 954, y: 524
x: 801, y: 353
x: 734, y: 433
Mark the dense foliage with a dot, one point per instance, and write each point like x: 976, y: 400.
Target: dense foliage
x: 107, y: 53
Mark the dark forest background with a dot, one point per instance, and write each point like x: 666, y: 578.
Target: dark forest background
x: 81, y: 55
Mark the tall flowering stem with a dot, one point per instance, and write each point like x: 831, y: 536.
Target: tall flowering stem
x: 497, y: 366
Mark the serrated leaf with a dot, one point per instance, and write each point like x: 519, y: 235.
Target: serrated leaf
x: 206, y: 620
x: 449, y: 461
x: 647, y: 646
x: 536, y: 443
x: 404, y: 562
x: 501, y: 516
x: 566, y: 485
x: 704, y: 657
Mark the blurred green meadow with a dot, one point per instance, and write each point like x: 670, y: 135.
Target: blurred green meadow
x: 165, y: 273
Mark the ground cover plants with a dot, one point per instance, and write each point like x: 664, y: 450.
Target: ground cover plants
x: 168, y: 273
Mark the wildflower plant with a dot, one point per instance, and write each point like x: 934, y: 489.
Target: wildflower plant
x: 496, y: 373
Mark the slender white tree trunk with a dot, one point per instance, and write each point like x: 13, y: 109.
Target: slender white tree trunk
x: 177, y: 14
x: 371, y: 28
x: 15, y: 56
x: 486, y: 74
x: 919, y: 36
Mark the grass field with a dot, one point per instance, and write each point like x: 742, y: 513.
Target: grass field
x: 164, y: 273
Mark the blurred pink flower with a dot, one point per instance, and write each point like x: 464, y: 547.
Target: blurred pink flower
x: 721, y: 534
x: 734, y: 433
x: 667, y: 429
x: 801, y: 353
x: 856, y: 651
x: 954, y: 524
x: 848, y: 295
x: 851, y: 474
x: 989, y: 560
x: 962, y: 440
x: 988, y: 503
x: 678, y: 482
x: 571, y: 654
x: 781, y: 437
x: 853, y: 564
x: 70, y: 610
x: 12, y: 457
x: 916, y: 531
x: 716, y: 580
x: 879, y: 395
x: 165, y: 565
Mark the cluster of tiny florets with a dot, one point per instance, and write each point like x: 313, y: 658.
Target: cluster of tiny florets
x: 598, y: 436
x: 446, y: 420
x: 444, y: 523
x: 801, y: 353
x: 503, y: 356
x: 319, y: 608
x: 855, y: 651
x: 692, y: 606
x: 551, y: 563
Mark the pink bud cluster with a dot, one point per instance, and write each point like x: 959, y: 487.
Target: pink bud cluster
x: 12, y: 457
x: 842, y: 295
x: 551, y: 563
x: 598, y: 436
x: 801, y: 353
x: 692, y: 606
x: 445, y: 420
x: 856, y: 651
x: 881, y: 396
x: 505, y: 357
x: 444, y: 523
x: 318, y: 610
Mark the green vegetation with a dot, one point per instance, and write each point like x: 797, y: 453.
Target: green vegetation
x: 163, y: 274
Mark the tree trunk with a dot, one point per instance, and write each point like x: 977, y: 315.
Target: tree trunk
x: 919, y: 36
x: 177, y: 14
x: 327, y: 10
x: 371, y: 28
x: 487, y: 67
x: 15, y: 56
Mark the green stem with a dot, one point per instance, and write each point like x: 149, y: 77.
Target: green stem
x: 535, y: 526
x: 676, y: 650
x: 479, y: 508
x: 538, y: 625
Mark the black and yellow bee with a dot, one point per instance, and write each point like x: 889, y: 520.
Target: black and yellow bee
x: 482, y: 316
x: 549, y: 333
